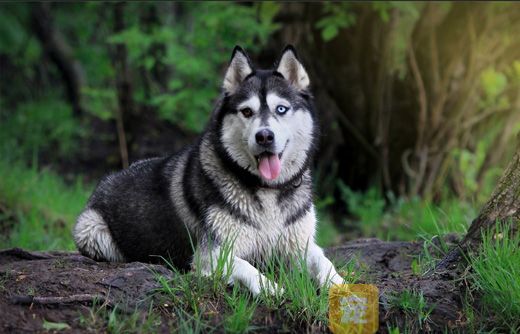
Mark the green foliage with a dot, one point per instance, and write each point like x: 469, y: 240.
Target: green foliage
x: 175, y: 61
x: 468, y: 164
x: 100, y: 102
x: 40, y: 207
x: 402, y: 218
x: 493, y: 84
x: 368, y: 207
x: 209, y: 29
x: 42, y: 125
x: 496, y: 275
x: 434, y: 249
x: 16, y: 41
x: 336, y: 16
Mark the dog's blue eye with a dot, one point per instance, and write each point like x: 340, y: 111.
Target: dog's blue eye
x: 281, y: 109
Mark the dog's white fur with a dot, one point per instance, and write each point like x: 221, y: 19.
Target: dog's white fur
x: 92, y: 235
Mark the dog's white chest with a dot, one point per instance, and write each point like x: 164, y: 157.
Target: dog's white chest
x: 259, y: 227
x: 270, y: 215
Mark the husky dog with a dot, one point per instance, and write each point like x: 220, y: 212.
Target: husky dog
x: 248, y: 178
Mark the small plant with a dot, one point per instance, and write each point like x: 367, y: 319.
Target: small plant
x: 414, y: 305
x: 4, y: 277
x: 55, y: 326
x: 242, y: 310
x: 191, y: 324
x: 434, y: 248
x: 102, y: 319
x: 416, y: 267
x: 368, y: 208
x: 59, y: 264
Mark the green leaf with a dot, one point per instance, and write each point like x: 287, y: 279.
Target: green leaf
x: 57, y: 326
x: 329, y: 32
x: 493, y: 82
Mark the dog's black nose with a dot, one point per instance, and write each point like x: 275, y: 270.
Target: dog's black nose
x: 264, y: 137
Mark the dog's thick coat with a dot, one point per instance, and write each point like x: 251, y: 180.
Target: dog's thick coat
x: 247, y: 180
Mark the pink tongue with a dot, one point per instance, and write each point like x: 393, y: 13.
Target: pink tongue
x: 269, y: 166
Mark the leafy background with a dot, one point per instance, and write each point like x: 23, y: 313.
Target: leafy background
x: 419, y: 103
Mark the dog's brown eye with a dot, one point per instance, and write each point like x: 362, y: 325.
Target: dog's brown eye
x: 247, y: 112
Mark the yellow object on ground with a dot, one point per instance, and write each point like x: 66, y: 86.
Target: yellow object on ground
x: 353, y: 309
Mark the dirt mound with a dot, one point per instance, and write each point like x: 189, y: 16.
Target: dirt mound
x: 389, y: 266
x: 59, y: 288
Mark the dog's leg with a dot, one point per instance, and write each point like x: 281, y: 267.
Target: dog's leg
x: 321, y: 267
x: 299, y: 241
x: 237, y: 270
x: 255, y: 281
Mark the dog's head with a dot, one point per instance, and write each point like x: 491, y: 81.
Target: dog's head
x: 266, y: 122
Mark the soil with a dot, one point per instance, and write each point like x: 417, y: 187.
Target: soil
x: 60, y: 287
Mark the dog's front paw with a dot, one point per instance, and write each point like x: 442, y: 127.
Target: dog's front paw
x: 265, y: 285
x: 329, y: 278
x: 336, y: 279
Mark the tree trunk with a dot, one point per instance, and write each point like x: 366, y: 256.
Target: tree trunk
x: 503, y: 206
x: 123, y: 82
x: 59, y: 53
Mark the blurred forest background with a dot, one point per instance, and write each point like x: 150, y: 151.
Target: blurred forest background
x: 419, y: 103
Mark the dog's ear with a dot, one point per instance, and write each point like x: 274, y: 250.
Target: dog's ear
x: 292, y: 70
x: 239, y: 68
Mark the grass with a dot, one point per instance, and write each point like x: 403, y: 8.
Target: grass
x: 197, y: 299
x: 301, y: 299
x: 242, y: 309
x: 434, y: 249
x: 38, y: 207
x: 496, y: 277
x: 100, y: 318
x: 415, y: 307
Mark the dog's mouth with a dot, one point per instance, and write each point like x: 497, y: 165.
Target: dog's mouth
x: 269, y: 165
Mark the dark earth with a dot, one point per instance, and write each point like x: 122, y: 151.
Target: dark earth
x: 61, y: 287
